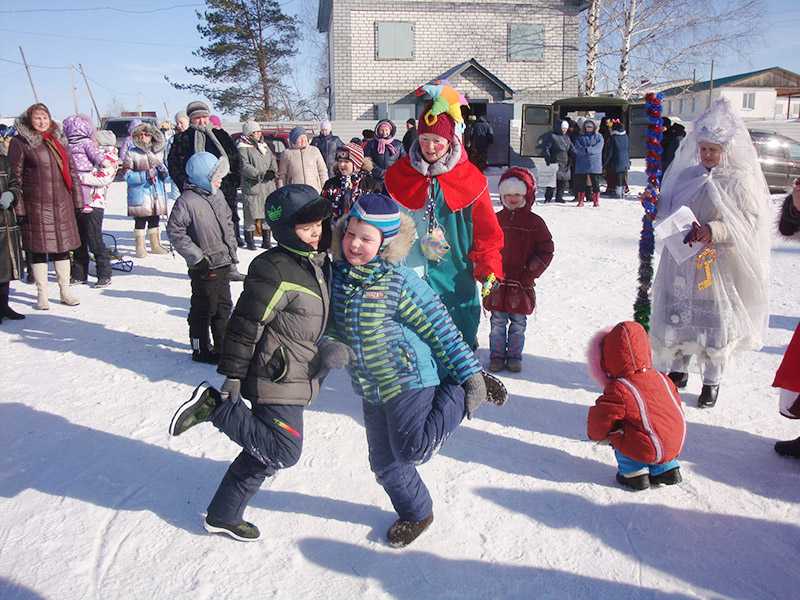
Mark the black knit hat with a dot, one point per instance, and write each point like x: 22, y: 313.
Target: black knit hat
x: 292, y: 205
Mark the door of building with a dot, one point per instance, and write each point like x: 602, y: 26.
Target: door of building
x: 499, y: 116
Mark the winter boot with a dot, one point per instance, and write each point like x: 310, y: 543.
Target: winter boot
x: 244, y: 531
x: 103, y: 282
x: 581, y: 198
x: 154, y: 237
x: 671, y: 477
x: 514, y: 365
x: 496, y: 392
x: 402, y: 533
x: 40, y: 278
x: 620, y: 192
x: 197, y: 409
x: 595, y: 199
x: 679, y: 379
x: 62, y: 275
x: 634, y: 482
x: 248, y: 239
x: 205, y: 355
x: 6, y: 312
x: 790, y: 448
x: 708, y: 396
x: 239, y: 241
x: 497, y: 364
x: 266, y: 241
x: 141, y: 251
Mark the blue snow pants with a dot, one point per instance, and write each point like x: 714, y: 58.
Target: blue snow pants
x: 407, y: 431
x: 629, y: 467
x: 271, y: 437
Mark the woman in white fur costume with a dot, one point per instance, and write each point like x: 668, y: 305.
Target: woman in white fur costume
x: 714, y: 303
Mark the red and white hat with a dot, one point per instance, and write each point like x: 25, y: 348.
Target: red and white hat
x: 352, y: 152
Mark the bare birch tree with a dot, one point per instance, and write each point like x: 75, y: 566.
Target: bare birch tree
x: 592, y: 46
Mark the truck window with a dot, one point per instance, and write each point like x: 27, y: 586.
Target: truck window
x: 537, y: 115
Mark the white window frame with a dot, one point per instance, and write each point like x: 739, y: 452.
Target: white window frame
x: 509, y: 55
x: 746, y: 98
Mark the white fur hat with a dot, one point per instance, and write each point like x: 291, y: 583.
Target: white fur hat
x: 512, y: 185
x: 250, y: 127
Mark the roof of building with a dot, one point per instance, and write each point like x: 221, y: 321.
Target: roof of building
x: 752, y: 79
x: 474, y: 64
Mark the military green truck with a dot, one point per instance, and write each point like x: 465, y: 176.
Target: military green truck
x: 540, y: 119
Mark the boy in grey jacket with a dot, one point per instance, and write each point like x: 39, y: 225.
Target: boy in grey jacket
x: 201, y: 231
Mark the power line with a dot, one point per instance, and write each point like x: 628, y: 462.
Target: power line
x: 97, y: 8
x: 92, y: 39
x: 16, y: 62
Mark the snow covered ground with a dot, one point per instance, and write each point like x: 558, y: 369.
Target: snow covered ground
x: 97, y: 502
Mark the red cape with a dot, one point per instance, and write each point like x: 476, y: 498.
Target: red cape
x: 461, y: 187
x: 788, y: 375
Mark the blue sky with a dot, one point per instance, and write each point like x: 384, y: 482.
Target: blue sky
x: 126, y: 55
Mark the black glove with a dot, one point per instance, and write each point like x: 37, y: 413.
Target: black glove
x: 335, y: 355
x: 474, y: 393
x: 230, y: 389
x: 200, y: 268
x: 270, y: 175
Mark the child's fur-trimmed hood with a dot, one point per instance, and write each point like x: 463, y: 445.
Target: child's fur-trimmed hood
x: 394, y: 252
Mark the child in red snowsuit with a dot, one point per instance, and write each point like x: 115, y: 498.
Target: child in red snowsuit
x: 640, y: 412
x: 527, y: 252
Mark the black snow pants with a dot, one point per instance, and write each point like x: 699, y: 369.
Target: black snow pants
x: 90, y: 228
x: 210, y: 305
x: 271, y: 437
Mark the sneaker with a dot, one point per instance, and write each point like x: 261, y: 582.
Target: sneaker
x: 670, y: 477
x: 103, y: 282
x: 197, y: 409
x: 208, y: 357
x: 496, y: 392
x: 514, y: 365
x: 636, y: 482
x: 679, y: 379
x: 790, y: 448
x: 708, y: 396
x: 244, y: 531
x: 497, y: 364
x: 402, y: 533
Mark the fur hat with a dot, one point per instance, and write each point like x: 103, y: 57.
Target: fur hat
x: 198, y: 108
x: 105, y: 137
x: 295, y: 134
x: 352, y: 152
x: 325, y: 125
x: 181, y: 114
x: 380, y: 211
x: 250, y: 127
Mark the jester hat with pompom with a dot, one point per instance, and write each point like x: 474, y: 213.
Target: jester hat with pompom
x: 442, y: 115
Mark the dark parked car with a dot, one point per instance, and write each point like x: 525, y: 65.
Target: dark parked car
x: 779, y: 157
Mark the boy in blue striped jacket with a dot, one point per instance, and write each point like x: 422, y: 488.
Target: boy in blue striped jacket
x: 416, y: 375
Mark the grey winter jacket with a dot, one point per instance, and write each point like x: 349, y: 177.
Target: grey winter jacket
x: 200, y: 226
x: 327, y: 146
x: 259, y: 170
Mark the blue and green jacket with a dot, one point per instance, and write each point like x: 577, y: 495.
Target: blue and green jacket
x: 398, y: 328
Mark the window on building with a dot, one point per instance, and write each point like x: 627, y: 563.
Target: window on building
x: 680, y: 106
x: 669, y: 107
x: 694, y: 104
x: 749, y: 100
x: 525, y: 41
x: 394, y: 41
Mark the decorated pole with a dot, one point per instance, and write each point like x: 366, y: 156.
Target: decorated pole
x: 655, y: 133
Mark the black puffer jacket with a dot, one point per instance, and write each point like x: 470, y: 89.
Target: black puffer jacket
x: 271, y: 338
x: 183, y: 148
x: 790, y: 218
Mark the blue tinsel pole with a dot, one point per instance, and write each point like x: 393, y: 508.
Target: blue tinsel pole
x: 641, y: 308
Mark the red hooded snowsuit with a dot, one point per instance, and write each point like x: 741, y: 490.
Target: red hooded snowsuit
x: 640, y: 411
x: 528, y: 246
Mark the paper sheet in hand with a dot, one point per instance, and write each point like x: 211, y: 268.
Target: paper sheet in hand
x: 673, y: 229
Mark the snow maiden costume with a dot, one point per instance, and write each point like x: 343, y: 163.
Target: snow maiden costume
x: 715, y: 303
x: 458, y: 237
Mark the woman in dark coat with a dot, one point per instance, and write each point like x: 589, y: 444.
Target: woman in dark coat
x: 47, y: 194
x: 619, y: 158
x: 10, y: 252
x: 558, y: 151
x: 383, y: 149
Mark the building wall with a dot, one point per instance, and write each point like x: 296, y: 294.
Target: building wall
x: 689, y: 106
x: 447, y: 34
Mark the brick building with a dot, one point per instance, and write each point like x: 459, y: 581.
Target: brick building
x: 496, y: 52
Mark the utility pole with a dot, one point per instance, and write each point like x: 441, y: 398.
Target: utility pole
x: 711, y: 84
x: 73, y: 89
x: 166, y: 111
x: 89, y: 89
x: 30, y: 78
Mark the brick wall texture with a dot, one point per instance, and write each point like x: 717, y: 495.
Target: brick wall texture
x: 447, y: 34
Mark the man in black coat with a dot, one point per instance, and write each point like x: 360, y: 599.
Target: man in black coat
x: 215, y: 141
x: 327, y: 144
x: 481, y: 138
x: 411, y: 135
